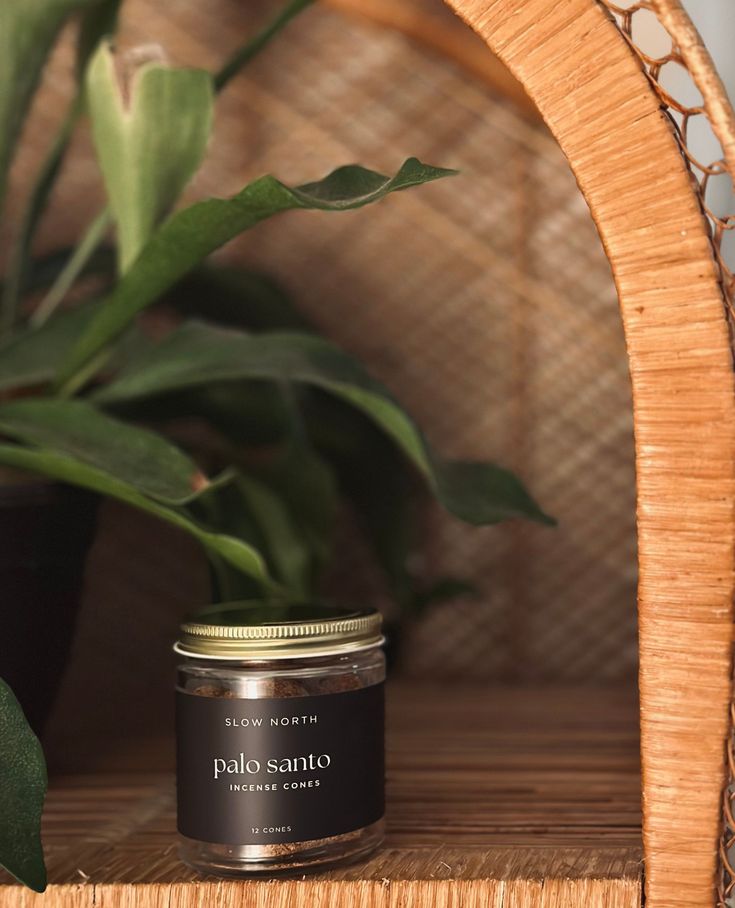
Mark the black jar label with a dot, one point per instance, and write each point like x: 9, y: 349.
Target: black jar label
x: 279, y: 770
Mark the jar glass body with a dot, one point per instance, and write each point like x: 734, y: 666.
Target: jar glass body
x: 280, y: 680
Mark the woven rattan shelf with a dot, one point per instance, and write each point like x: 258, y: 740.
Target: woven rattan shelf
x: 496, y: 797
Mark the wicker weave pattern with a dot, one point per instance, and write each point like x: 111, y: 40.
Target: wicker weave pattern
x: 714, y: 112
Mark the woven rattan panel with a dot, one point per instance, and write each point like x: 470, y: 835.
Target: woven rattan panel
x: 484, y: 302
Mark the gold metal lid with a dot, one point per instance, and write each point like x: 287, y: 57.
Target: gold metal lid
x: 262, y: 630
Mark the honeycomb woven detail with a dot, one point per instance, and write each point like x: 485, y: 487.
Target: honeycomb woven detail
x: 713, y: 114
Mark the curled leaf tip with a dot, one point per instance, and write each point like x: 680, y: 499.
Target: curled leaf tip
x: 128, y: 63
x: 199, y: 481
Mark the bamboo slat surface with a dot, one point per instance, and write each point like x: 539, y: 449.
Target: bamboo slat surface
x: 497, y: 797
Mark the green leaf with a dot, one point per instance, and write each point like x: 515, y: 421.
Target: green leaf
x: 22, y: 792
x: 189, y: 236
x: 445, y: 589
x: 276, y: 535
x: 28, y: 29
x: 482, y: 494
x: 377, y: 481
x: 60, y: 466
x: 150, y: 132
x: 143, y: 459
x: 197, y: 353
x: 32, y: 356
x: 308, y: 487
x: 236, y: 298
x: 246, y: 414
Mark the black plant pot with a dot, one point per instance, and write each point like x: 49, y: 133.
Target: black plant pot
x: 45, y: 532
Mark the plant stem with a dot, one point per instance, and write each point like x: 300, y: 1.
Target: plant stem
x: 89, y: 243
x: 245, y: 54
x: 219, y: 578
x: 85, y: 374
x: 35, y: 207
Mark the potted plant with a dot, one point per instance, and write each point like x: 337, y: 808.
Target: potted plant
x: 292, y: 424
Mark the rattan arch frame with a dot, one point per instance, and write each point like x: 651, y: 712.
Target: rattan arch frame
x: 591, y: 90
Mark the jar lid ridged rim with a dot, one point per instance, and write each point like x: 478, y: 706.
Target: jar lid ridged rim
x: 291, y: 630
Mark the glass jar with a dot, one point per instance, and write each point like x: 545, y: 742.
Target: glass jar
x: 280, y: 737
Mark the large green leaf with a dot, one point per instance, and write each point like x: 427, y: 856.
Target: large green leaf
x: 28, y: 29
x: 150, y: 130
x: 197, y: 353
x: 63, y: 467
x: 22, y: 792
x: 143, y: 459
x: 189, y: 236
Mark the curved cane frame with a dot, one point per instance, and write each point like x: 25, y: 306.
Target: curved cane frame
x: 621, y: 146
